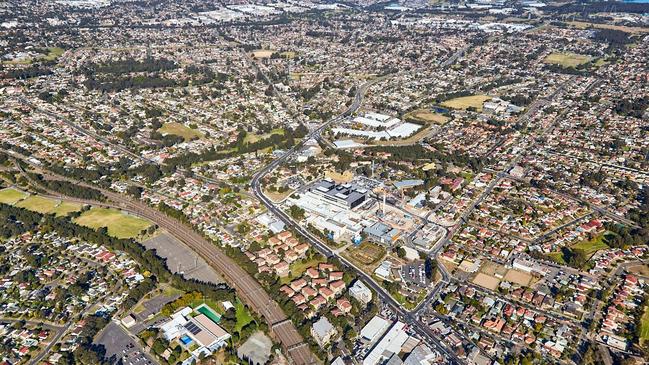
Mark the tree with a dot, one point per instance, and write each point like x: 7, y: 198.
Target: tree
x: 401, y: 252
x: 159, y: 345
x: 134, y: 190
x: 430, y: 268
x: 296, y: 212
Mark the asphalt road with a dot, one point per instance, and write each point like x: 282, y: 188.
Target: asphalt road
x: 406, y: 315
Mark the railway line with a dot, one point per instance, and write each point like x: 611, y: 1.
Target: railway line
x: 248, y: 289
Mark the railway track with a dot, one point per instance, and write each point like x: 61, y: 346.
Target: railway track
x: 248, y: 289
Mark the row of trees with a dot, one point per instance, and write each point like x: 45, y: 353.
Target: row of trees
x: 70, y: 189
x: 130, y: 65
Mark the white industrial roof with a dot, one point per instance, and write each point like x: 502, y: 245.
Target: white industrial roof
x: 374, y: 328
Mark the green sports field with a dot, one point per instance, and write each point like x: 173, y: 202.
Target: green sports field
x: 11, y: 196
x: 180, y: 130
x: 567, y: 59
x: 38, y: 204
x: 466, y: 102
x: 119, y: 224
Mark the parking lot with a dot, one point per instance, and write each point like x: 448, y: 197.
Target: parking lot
x: 121, y: 347
x: 415, y: 274
x: 181, y: 259
x: 154, y: 305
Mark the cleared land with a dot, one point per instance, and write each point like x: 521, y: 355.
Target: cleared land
x: 38, y: 204
x: 519, y: 277
x: 640, y: 269
x: 491, y: 268
x: 486, y: 281
x: 262, y: 53
x: 466, y: 102
x: 119, y: 224
x: 338, y: 177
x: 11, y: 196
x: 584, y: 25
x: 277, y: 196
x: 567, y: 59
x: 52, y: 54
x: 557, y: 257
x: 424, y: 115
x: 180, y: 130
x: 450, y: 266
x: 288, y: 54
x: 299, y: 267
x: 366, y: 253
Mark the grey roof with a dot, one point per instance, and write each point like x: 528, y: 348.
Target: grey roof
x: 346, y: 192
x: 419, y: 355
x: 393, y: 360
x: 407, y: 183
x: 322, y: 327
x: 378, y: 229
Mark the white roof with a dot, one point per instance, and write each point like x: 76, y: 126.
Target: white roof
x: 374, y: 328
x: 390, y: 344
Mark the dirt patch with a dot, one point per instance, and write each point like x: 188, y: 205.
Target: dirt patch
x: 427, y: 116
x: 642, y: 270
x: 491, y: 268
x: 450, y: 266
x: 277, y: 197
x: 486, y: 281
x: 262, y: 53
x: 366, y: 253
x: 345, y: 177
x: 465, y: 102
x: 519, y: 277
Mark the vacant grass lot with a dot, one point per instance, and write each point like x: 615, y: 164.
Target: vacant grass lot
x: 181, y: 130
x: 591, y: 246
x: 52, y: 54
x: 424, y: 115
x: 567, y: 59
x: 299, y: 267
x: 38, y: 204
x: 584, y: 25
x: 557, y: 257
x: 644, y: 326
x: 466, y: 102
x: 11, y: 196
x: 243, y: 316
x: 252, y: 138
x: 119, y: 224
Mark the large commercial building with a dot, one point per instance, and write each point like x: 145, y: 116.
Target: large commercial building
x: 391, y: 343
x: 374, y: 329
x: 330, y: 208
x: 343, y: 195
x: 382, y: 233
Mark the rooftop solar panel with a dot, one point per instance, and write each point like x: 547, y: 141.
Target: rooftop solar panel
x: 192, y: 327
